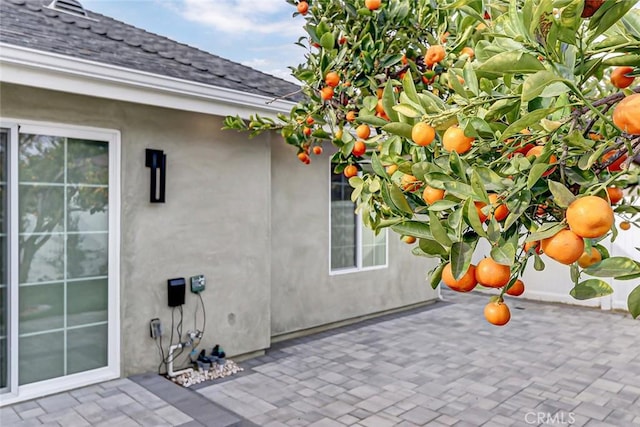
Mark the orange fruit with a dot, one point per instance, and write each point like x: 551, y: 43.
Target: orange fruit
x: 303, y: 7
x: 304, y: 157
x: 317, y: 150
x: 363, y: 131
x: 391, y: 169
x: 616, y: 166
x: 479, y: 205
x: 587, y: 259
x: 491, y: 274
x: 310, y: 120
x: 536, y: 151
x: 372, y: 4
x: 359, y: 148
x: 516, y: 289
x: 468, y: 51
x: 409, y: 182
x: 535, y: 244
x: 408, y: 239
x: 626, y: 115
x: 332, y: 79
x: 625, y: 225
x: 431, y: 195
x: 618, y: 78
x: 351, y: 116
x: 464, y: 284
x: 423, y: 134
x: 501, y: 211
x: 454, y: 139
x: 338, y: 134
x: 435, y: 54
x: 444, y: 37
x: 306, y: 131
x: 380, y: 107
x: 379, y: 92
x: 565, y: 247
x: 590, y: 216
x: 497, y: 313
x: 350, y: 170
x: 615, y: 194
x: 326, y: 93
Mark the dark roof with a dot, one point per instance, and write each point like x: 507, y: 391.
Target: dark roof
x: 29, y: 23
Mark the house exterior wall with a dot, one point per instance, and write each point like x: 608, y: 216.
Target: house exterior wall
x: 304, y: 294
x: 215, y: 221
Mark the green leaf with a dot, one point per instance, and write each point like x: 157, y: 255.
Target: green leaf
x: 458, y: 189
x: 511, y: 62
x: 409, y: 88
x: 371, y: 120
x: 612, y: 267
x: 443, y: 205
x: 377, y: 167
x: 538, y: 264
x: 592, y: 288
x: 407, y: 110
x: 436, y: 275
x: 327, y: 40
x: 438, y: 230
x: 536, y: 173
x: 547, y: 230
x: 633, y: 302
x: 432, y: 248
x: 461, y: 254
x: 504, y: 254
x: 471, y: 217
x: 562, y: 196
x: 478, y: 187
x: 526, y: 121
x: 535, y: 84
x: 400, y: 129
x: 388, y: 101
x: 413, y: 228
x: 399, y: 200
x: 517, y: 206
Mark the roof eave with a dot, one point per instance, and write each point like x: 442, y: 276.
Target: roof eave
x: 46, y: 70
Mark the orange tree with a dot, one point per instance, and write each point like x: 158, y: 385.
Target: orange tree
x: 509, y: 121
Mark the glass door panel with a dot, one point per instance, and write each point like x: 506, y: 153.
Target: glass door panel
x: 4, y: 258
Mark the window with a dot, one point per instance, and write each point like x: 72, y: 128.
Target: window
x: 354, y: 247
x: 61, y: 201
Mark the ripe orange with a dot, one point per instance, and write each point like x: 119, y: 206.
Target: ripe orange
x: 350, y: 170
x: 565, y: 246
x: 454, y: 139
x: 372, y: 4
x: 615, y: 194
x: 317, y: 150
x: 516, y: 289
x: 625, y: 225
x: 379, y: 92
x: 587, y: 259
x: 359, y: 148
x: 338, y: 134
x: 380, y: 107
x: 444, y: 37
x: 304, y: 157
x: 408, y: 239
x: 465, y: 284
x: 491, y: 274
x: 410, y: 182
x: 326, y: 93
x: 303, y: 7
x: 535, y: 244
x: 536, y: 151
x: 391, y: 169
x: 351, y: 116
x: 423, y: 134
x: 435, y: 54
x: 497, y: 313
x: 616, y: 166
x: 618, y: 78
x: 482, y: 215
x: 363, y: 131
x: 432, y: 195
x: 332, y: 79
x: 590, y: 216
x: 306, y: 131
x: 626, y: 115
x: 468, y: 51
x: 501, y: 211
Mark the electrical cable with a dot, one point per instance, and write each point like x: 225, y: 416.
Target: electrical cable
x: 204, y: 314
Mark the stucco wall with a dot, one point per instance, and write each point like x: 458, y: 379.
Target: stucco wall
x: 304, y: 295
x: 215, y: 221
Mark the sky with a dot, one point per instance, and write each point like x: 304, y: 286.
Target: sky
x: 257, y: 33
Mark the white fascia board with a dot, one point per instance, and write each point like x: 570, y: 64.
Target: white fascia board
x: 35, y: 68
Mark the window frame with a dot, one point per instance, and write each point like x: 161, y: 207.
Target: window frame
x: 358, y: 268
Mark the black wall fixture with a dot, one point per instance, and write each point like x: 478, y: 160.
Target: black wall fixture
x: 157, y: 161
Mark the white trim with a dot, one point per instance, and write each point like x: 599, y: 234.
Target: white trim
x: 30, y: 67
x: 19, y: 393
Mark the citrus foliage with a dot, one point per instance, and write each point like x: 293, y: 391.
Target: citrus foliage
x: 526, y: 120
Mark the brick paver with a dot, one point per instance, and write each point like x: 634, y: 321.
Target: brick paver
x: 441, y: 365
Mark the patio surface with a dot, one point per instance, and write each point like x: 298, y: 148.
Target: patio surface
x: 440, y: 365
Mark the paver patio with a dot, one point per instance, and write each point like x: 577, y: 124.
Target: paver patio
x: 441, y: 365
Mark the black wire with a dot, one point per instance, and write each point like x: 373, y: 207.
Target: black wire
x: 204, y: 314
x: 162, y: 358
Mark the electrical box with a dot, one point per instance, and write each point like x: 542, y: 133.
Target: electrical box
x: 176, y: 289
x: 197, y: 284
x: 155, y: 328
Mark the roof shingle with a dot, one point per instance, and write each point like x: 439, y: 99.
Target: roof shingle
x: 30, y: 24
